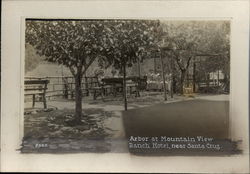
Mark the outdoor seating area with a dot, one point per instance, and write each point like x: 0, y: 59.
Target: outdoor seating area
x: 108, y: 79
x: 63, y: 87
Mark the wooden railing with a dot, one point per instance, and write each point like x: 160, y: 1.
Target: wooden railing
x: 64, y: 86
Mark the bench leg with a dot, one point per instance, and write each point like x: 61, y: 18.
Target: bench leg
x: 94, y: 96
x: 44, y: 101
x: 137, y: 91
x: 33, y: 100
x: 102, y: 93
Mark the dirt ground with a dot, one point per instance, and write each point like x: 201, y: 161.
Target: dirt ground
x: 102, y: 130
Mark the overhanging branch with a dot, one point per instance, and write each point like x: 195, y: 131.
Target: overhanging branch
x: 72, y: 71
x: 88, y: 65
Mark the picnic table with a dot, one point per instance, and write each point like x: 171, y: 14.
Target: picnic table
x: 157, y: 85
x: 116, y: 83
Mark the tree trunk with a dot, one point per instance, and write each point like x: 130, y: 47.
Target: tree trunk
x: 208, y: 80
x: 171, y: 87
x: 218, y: 77
x: 172, y: 78
x: 183, y: 74
x: 124, y: 87
x: 174, y: 84
x: 139, y: 68
x: 78, y: 97
x: 163, y: 78
x: 154, y: 65
x: 86, y: 84
x: 194, y: 80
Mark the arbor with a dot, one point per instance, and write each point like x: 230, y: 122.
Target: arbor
x: 186, y: 39
x: 72, y: 43
x: 220, y: 44
x: 183, y: 41
x: 127, y: 42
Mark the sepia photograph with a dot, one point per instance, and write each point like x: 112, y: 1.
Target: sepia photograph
x: 127, y: 85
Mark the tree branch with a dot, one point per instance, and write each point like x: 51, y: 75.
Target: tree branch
x: 178, y: 63
x: 72, y: 71
x: 188, y: 62
x: 88, y: 65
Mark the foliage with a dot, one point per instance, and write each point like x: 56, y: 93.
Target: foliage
x: 31, y: 58
x: 127, y: 41
x: 77, y: 43
x: 187, y: 39
x: 74, y: 44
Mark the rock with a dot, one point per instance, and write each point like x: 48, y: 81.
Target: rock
x: 69, y: 116
x: 56, y: 127
x: 27, y: 112
x: 56, y: 133
x: 64, y: 146
x: 48, y: 110
x: 34, y: 112
x: 53, y: 146
x: 83, y: 121
x: 30, y: 146
x: 46, y: 140
x: 83, y: 127
x: 51, y: 125
x: 75, y: 147
x: 51, y: 118
x: 85, y: 132
x: 74, y: 143
x: 67, y: 129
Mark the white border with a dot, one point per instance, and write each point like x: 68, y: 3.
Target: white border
x: 13, y: 13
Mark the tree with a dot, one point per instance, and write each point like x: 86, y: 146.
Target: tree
x: 72, y: 43
x: 126, y: 43
x: 183, y: 42
x: 186, y: 39
x: 220, y: 44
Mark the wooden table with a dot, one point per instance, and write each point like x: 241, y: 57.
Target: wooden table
x: 117, y: 84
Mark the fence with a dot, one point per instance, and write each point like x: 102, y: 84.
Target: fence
x: 64, y: 86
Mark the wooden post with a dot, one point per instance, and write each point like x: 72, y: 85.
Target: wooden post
x: 163, y: 76
x: 124, y: 86
x: 218, y: 77
x: 71, y: 89
x: 65, y: 83
x: 86, y: 84
x: 33, y: 100
x: 194, y: 69
x: 154, y: 65
x: 139, y: 77
x: 171, y: 78
x: 44, y: 96
x: 139, y: 67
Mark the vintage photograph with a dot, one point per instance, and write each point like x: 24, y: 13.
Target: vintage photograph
x: 141, y: 86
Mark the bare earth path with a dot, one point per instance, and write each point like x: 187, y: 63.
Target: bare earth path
x: 111, y: 114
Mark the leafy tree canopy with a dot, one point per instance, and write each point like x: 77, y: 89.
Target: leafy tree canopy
x: 128, y: 41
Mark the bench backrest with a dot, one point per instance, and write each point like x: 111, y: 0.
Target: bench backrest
x: 35, y: 85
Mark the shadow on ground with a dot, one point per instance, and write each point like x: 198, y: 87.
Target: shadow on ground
x: 49, y: 132
x: 181, y: 119
x: 186, y: 118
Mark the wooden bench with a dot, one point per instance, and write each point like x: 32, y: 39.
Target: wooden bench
x: 36, y: 87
